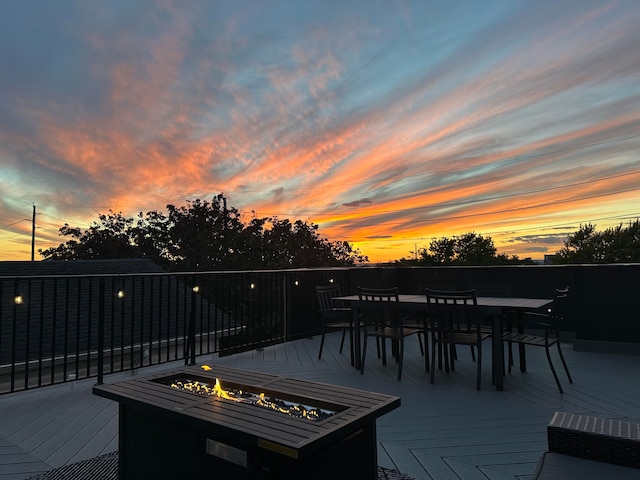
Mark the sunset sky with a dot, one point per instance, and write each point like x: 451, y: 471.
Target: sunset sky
x: 388, y: 123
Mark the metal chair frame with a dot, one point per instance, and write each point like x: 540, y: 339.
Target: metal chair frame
x: 549, y: 322
x: 380, y: 315
x: 331, y: 313
x: 454, y: 320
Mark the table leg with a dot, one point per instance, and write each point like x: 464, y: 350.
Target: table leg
x: 357, y: 349
x: 521, y: 347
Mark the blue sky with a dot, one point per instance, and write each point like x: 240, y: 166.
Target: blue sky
x: 388, y: 123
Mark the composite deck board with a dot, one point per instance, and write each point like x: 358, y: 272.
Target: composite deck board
x: 62, y: 430
x: 17, y: 463
x: 446, y: 430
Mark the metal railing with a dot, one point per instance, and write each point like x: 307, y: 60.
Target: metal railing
x: 56, y: 329
x: 59, y: 328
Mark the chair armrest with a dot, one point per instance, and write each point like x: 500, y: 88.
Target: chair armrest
x: 537, y: 319
x: 605, y: 440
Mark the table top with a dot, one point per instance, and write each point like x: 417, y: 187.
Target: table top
x: 495, y: 302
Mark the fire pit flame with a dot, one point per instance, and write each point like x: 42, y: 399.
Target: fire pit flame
x: 218, y: 391
x: 261, y: 400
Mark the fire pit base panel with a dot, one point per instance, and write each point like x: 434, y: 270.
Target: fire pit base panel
x: 152, y: 446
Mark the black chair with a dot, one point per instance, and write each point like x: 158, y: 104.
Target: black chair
x: 547, y: 329
x: 380, y: 314
x: 454, y: 320
x: 334, y: 316
x: 420, y: 323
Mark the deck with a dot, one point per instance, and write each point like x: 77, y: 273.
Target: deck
x: 445, y: 431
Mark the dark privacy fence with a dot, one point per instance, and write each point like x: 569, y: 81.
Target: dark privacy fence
x: 602, y: 306
x: 59, y: 328
x: 78, y: 326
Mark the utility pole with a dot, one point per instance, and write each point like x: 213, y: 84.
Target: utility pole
x: 33, y: 232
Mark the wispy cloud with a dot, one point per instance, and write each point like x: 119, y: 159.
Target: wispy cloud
x: 389, y: 125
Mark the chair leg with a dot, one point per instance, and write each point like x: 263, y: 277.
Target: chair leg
x: 384, y: 350
x: 447, y: 353
x: 420, y: 343
x: 564, y: 363
x: 553, y: 370
x: 426, y: 352
x: 479, y: 374
x: 351, y: 346
x: 400, y: 357
x: 453, y: 355
x: 364, y: 351
x: 510, y: 355
x: 511, y: 362
x: 344, y: 333
x: 321, y: 345
x: 433, y: 357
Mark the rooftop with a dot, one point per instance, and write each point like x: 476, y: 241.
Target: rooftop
x: 443, y: 431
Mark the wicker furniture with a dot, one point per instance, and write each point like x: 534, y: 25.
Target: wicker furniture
x: 583, y: 447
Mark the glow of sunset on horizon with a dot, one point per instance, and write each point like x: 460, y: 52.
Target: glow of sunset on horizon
x: 388, y: 123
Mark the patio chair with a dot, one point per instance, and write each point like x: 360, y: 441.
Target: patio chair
x: 548, y: 324
x: 454, y: 320
x: 334, y: 316
x: 380, y: 314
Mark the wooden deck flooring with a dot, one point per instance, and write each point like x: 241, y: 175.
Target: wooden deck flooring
x: 443, y: 431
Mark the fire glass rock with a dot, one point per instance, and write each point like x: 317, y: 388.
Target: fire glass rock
x: 260, y: 400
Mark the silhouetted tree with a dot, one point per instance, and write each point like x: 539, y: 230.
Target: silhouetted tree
x: 203, y: 236
x: 467, y: 249
x: 111, y: 238
x: 613, y: 245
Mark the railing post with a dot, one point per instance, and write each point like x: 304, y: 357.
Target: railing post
x: 101, y: 333
x: 190, y: 350
x: 287, y: 306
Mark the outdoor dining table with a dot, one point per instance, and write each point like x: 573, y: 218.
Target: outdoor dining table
x: 494, y: 306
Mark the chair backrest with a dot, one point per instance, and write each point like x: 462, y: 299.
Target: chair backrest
x: 453, y: 309
x: 379, y: 306
x: 326, y: 294
x: 558, y: 308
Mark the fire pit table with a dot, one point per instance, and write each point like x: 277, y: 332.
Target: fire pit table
x: 204, y: 424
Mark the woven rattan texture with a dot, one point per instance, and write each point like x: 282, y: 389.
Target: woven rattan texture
x: 605, y: 440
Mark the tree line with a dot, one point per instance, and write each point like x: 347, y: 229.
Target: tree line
x: 468, y: 249
x: 205, y: 235
x: 620, y: 244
